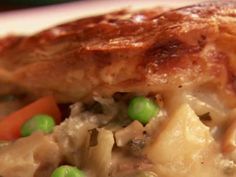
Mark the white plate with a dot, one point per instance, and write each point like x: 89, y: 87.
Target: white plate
x: 33, y: 20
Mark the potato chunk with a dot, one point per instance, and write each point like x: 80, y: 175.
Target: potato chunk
x: 185, y: 147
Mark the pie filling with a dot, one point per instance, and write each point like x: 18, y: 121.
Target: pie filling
x: 189, y: 133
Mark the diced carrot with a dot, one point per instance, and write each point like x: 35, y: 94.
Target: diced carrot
x: 10, y: 126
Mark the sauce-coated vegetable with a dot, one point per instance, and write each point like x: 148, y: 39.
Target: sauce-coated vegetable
x: 41, y: 122
x: 67, y: 171
x: 142, y: 109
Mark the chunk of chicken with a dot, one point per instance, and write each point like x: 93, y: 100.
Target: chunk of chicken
x: 37, y: 155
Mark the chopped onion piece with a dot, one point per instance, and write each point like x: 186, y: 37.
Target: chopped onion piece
x: 132, y: 131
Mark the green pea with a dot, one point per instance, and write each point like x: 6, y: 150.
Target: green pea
x: 142, y: 109
x: 67, y: 171
x: 39, y: 122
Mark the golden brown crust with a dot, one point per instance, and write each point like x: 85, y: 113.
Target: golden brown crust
x: 123, y: 51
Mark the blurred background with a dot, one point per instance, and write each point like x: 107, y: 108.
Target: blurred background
x: 26, y: 17
x: 22, y: 4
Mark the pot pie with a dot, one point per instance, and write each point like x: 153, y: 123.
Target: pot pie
x: 150, y: 93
